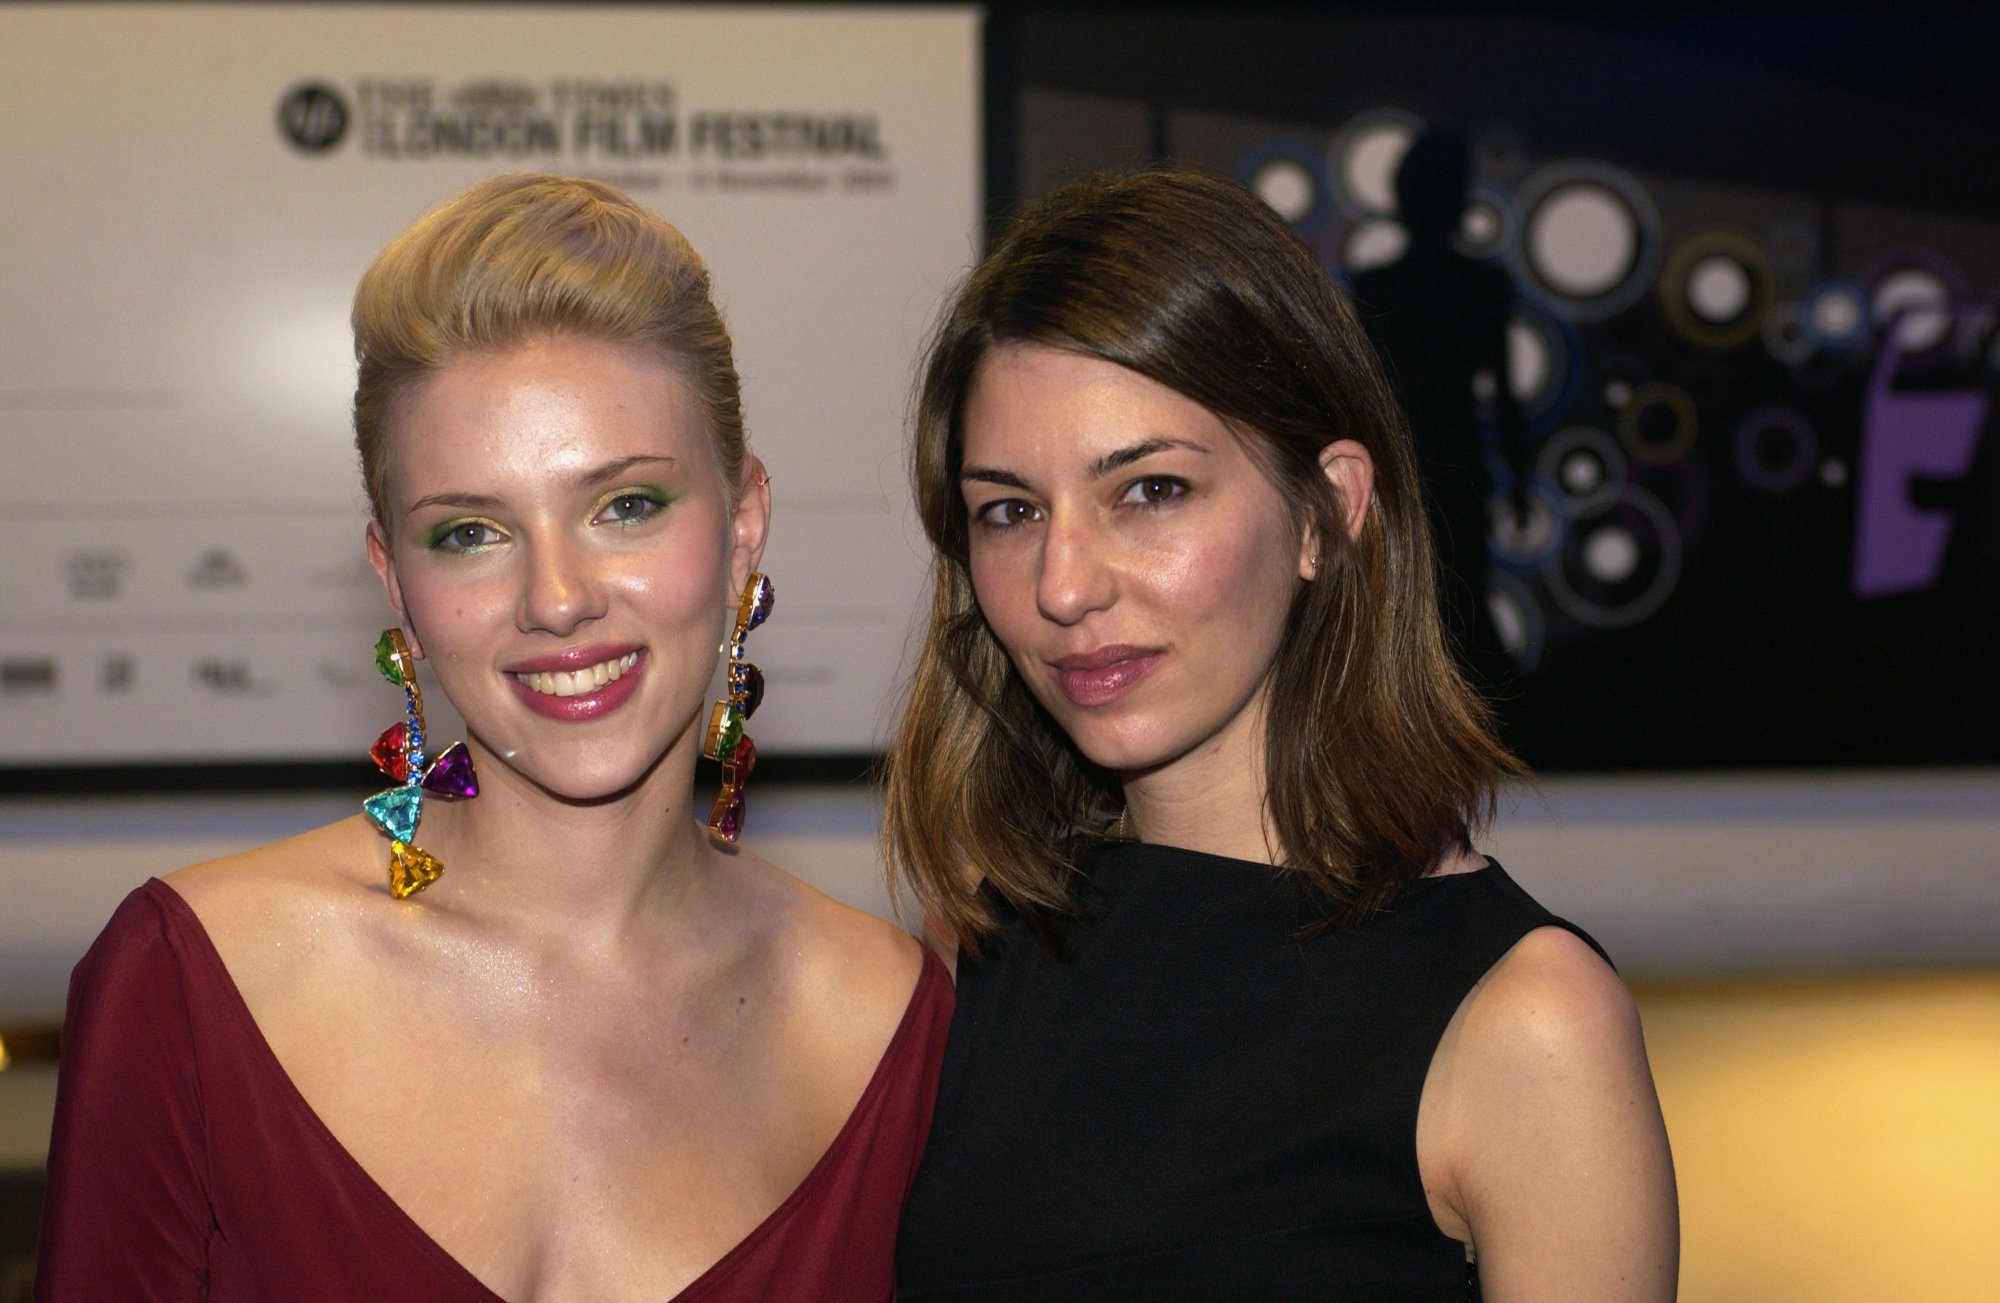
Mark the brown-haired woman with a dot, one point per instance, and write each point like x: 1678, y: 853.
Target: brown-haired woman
x: 605, y: 1056
x: 1188, y: 783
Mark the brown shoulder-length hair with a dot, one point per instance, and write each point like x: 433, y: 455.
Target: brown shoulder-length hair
x: 1379, y: 758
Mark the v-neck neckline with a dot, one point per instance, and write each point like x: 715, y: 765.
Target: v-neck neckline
x: 205, y: 951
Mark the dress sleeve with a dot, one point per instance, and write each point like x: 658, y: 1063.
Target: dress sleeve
x: 126, y: 1215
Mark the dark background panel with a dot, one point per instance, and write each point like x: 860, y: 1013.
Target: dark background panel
x: 1834, y: 145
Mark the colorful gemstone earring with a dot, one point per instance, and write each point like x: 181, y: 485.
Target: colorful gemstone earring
x: 399, y: 753
x: 726, y: 740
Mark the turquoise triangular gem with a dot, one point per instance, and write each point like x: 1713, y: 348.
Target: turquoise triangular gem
x: 396, y: 811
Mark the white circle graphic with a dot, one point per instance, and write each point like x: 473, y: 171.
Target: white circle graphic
x: 1610, y: 554
x: 1374, y: 242
x: 1585, y: 463
x: 1508, y: 621
x: 1368, y: 168
x: 1287, y: 186
x: 1837, y: 314
x: 1517, y: 617
x: 1924, y: 302
x: 1631, y: 508
x: 1582, y: 474
x: 1718, y: 288
x: 1590, y: 238
x: 1582, y: 240
x: 1481, y: 225
x: 1528, y: 360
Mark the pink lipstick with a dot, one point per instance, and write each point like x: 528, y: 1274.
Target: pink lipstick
x: 580, y: 684
x: 1101, y: 676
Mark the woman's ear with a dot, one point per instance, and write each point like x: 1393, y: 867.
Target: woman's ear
x: 380, y: 557
x: 1351, y: 470
x: 750, y: 525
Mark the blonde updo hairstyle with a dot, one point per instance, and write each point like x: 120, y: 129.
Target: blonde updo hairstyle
x: 518, y: 257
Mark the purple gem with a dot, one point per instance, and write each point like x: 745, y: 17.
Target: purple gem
x: 452, y: 774
x: 751, y: 685
x: 760, y: 603
x: 730, y: 822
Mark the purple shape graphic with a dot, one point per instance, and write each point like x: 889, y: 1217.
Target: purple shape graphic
x: 1898, y: 546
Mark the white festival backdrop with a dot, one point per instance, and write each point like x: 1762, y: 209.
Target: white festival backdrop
x: 191, y: 194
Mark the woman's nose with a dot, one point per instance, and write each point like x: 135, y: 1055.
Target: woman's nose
x: 1077, y: 572
x: 560, y: 590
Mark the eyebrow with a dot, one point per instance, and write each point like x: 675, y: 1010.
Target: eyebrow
x: 590, y: 479
x: 1105, y: 465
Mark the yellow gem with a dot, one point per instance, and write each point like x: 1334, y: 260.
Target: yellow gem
x: 411, y: 870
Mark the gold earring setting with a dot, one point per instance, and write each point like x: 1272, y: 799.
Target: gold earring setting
x: 725, y: 740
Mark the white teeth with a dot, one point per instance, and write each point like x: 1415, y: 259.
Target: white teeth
x: 568, y: 683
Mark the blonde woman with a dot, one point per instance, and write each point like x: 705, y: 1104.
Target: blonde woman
x: 606, y: 1055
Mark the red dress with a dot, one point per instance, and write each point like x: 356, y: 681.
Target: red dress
x: 186, y: 1165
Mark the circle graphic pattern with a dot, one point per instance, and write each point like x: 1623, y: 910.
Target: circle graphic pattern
x: 1524, y: 545
x: 1585, y: 465
x: 1918, y: 291
x: 1544, y: 364
x: 1833, y: 314
x: 1373, y: 242
x: 1716, y: 288
x: 1618, y: 564
x: 1286, y: 174
x: 1518, y: 618
x: 312, y: 117
x: 1658, y: 423
x: 1491, y: 226
x: 1785, y: 336
x: 1590, y: 238
x: 1364, y: 156
x: 1776, y: 448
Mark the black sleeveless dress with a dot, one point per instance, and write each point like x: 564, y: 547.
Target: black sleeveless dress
x: 1196, y: 1102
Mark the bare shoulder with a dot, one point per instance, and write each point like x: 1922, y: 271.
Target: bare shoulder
x: 1544, y: 1140
x: 1549, y: 1034
x: 242, y: 886
x: 1551, y: 998
x: 844, y: 955
x: 843, y: 977
x: 271, y: 908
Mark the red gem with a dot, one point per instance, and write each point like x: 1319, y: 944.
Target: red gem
x: 753, y: 689
x: 391, y: 751
x: 742, y: 760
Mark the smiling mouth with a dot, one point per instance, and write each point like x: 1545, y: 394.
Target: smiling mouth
x: 574, y: 683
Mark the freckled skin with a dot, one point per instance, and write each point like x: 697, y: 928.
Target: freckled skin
x: 1186, y: 551
x: 519, y: 428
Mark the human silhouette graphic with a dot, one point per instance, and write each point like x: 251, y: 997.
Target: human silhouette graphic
x: 1439, y: 319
